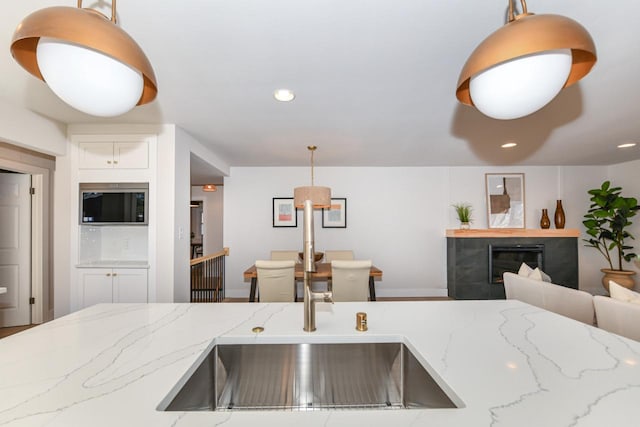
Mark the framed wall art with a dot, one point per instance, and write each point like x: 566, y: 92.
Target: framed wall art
x: 284, y: 212
x: 336, y: 215
x: 505, y: 200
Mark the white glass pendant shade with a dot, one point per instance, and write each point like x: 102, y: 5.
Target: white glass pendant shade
x: 88, y: 80
x: 522, y: 86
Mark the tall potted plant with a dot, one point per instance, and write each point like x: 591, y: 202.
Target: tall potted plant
x: 606, y: 221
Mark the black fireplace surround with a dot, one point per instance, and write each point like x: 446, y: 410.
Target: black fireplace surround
x: 475, y: 265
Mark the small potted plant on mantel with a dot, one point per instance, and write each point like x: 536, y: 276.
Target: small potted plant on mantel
x: 606, y: 222
x: 464, y: 211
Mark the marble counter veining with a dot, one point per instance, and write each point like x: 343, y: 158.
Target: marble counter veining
x: 510, y: 364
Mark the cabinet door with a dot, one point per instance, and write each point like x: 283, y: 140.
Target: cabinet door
x: 131, y: 155
x: 96, y: 286
x: 96, y: 155
x: 129, y: 285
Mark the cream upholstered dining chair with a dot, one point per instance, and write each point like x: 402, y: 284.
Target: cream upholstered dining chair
x: 285, y: 255
x: 572, y: 303
x: 341, y: 255
x: 276, y: 280
x: 619, y: 317
x: 336, y: 255
x: 350, y: 280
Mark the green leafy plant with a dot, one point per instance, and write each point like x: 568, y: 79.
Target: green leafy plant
x: 606, y: 222
x: 464, y: 211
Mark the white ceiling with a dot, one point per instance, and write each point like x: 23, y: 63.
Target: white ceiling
x: 374, y: 81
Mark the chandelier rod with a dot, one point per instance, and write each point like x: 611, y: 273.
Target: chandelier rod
x: 511, y: 13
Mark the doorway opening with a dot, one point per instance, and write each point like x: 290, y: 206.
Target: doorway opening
x: 33, y: 293
x: 197, y: 229
x: 15, y: 248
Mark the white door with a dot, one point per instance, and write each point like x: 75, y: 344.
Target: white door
x: 15, y: 249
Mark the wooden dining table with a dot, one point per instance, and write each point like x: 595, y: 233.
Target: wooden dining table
x: 323, y: 272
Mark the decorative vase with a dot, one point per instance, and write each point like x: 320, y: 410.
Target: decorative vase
x: 621, y: 277
x: 558, y: 217
x: 545, y: 222
x: 464, y: 226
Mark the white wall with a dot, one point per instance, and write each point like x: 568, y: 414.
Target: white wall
x: 27, y: 129
x: 212, y: 205
x: 62, y: 202
x: 395, y: 216
x: 182, y: 216
x: 575, y: 183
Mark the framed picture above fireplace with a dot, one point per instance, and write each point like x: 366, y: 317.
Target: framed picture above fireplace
x: 505, y: 200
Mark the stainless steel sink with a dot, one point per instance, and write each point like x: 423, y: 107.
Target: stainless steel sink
x: 307, y: 377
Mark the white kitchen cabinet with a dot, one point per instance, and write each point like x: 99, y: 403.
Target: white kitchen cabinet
x: 129, y: 285
x: 96, y: 285
x: 112, y: 285
x: 114, y: 155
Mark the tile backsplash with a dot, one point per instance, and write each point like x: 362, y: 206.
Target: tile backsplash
x: 113, y: 243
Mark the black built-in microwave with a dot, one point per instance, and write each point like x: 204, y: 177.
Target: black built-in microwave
x: 114, y: 203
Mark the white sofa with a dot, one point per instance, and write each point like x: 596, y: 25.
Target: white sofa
x: 568, y: 302
x: 619, y: 317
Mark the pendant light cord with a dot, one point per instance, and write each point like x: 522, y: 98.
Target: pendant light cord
x: 113, y: 10
x: 311, y: 148
x: 511, y: 14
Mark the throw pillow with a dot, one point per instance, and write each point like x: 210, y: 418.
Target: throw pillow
x: 623, y: 294
x: 538, y: 274
x: 525, y: 270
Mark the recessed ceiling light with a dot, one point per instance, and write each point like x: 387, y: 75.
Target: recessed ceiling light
x: 627, y: 145
x: 509, y: 145
x: 284, y: 95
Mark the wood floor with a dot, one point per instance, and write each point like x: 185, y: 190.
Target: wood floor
x: 5, y: 332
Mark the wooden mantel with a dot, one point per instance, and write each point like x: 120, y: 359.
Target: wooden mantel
x: 512, y: 232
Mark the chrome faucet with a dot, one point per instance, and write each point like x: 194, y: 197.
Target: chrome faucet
x: 309, y: 265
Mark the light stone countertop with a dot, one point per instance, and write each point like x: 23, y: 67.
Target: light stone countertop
x: 113, y: 264
x: 510, y: 363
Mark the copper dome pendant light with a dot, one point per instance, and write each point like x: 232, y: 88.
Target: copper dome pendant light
x: 85, y: 58
x: 522, y: 66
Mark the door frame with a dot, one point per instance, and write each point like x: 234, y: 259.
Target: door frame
x: 41, y: 310
x: 202, y: 201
